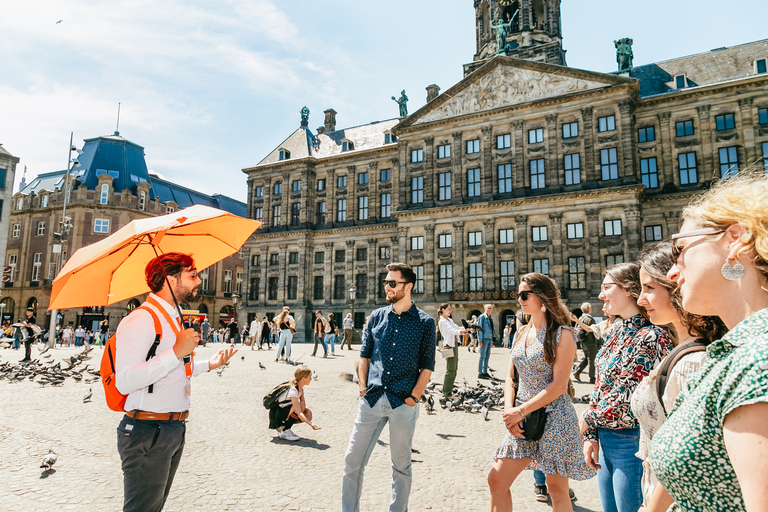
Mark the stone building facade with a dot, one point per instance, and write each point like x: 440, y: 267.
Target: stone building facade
x: 7, y: 177
x: 110, y: 188
x: 524, y: 165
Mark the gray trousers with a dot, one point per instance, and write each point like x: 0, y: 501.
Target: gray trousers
x: 151, y: 452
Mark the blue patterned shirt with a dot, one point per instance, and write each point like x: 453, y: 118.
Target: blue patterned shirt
x: 399, y: 347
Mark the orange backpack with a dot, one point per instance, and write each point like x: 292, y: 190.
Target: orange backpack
x: 115, y: 399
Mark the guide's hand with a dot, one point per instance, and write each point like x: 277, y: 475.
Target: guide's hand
x: 186, y: 341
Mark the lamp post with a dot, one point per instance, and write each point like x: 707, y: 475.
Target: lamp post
x: 2, y: 310
x: 352, y: 295
x: 62, y: 236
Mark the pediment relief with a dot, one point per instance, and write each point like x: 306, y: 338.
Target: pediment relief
x: 507, y: 86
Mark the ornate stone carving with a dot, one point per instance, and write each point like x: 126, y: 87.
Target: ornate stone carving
x: 518, y: 124
x: 489, y: 223
x: 373, y: 165
x: 458, y: 225
x: 430, y: 229
x: 593, y: 214
x: 429, y: 141
x: 745, y: 103
x: 521, y: 219
x: 328, y: 245
x: 556, y: 216
x: 632, y: 210
x: 664, y: 116
x: 350, y: 243
x: 372, y: 241
x: 551, y: 118
x: 505, y: 86
x: 703, y: 111
x: 586, y: 113
x: 456, y: 135
x: 487, y: 130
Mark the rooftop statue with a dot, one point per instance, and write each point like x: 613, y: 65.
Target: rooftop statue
x: 624, y: 54
x: 402, y: 102
x: 503, y: 28
x: 305, y: 116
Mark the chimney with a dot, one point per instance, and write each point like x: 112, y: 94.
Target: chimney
x: 320, y: 130
x: 330, y: 120
x: 432, y: 92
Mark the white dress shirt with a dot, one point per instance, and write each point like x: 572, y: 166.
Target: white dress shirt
x: 449, y: 330
x: 255, y: 328
x: 134, y: 374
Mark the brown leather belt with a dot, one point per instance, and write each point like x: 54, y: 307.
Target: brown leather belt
x: 159, y: 416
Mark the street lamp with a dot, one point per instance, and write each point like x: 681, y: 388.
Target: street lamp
x: 352, y: 295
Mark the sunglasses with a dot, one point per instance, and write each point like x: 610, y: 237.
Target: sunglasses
x: 525, y: 294
x: 392, y: 283
x: 677, y: 250
x: 191, y: 273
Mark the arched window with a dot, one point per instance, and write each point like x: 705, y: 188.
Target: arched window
x: 347, y: 145
x: 202, y: 308
x: 142, y: 200
x: 104, y: 194
x: 132, y: 304
x: 44, y: 202
x: 8, y: 311
x: 285, y: 154
x: 32, y: 303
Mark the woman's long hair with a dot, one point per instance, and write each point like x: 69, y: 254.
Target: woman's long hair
x: 656, y: 259
x: 549, y: 294
x: 283, y: 314
x: 300, y: 373
x: 440, y: 314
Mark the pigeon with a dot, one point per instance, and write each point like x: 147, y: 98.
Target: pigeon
x: 59, y: 21
x: 88, y: 395
x: 220, y: 370
x: 431, y: 384
x: 485, y: 410
x: 242, y: 358
x: 314, y: 375
x: 49, y: 460
x: 430, y: 404
x: 262, y: 366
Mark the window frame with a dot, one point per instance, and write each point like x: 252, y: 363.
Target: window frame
x: 341, y: 210
x: 362, y: 208
x: 475, y: 276
x: 538, y: 175
x: 611, y: 167
x: 417, y: 190
x: 606, y: 123
x: 610, y: 227
x: 504, y: 141
x: 445, y: 241
x: 730, y: 167
x: 580, y: 272
x: 475, y: 239
x: 417, y: 156
x: 684, y: 128
x: 536, y: 234
x: 504, y: 178
x: 506, y: 236
x: 571, y: 133
x: 686, y: 169
x: 417, y: 243
x: 574, y: 230
x: 569, y: 171
x: 535, y: 135
x: 649, y: 172
x: 472, y: 146
x: 474, y: 186
x: 443, y: 188
x: 102, y: 225
x: 656, y: 231
x: 646, y: 134
x: 444, y: 151
x: 541, y: 266
x: 386, y: 205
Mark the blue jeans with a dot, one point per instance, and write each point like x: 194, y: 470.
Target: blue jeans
x: 485, y: 354
x: 539, y: 478
x: 330, y: 340
x: 285, y: 341
x: 620, y: 476
x: 368, y: 425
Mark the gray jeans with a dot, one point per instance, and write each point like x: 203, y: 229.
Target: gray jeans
x: 151, y: 452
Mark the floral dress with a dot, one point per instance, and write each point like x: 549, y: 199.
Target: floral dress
x: 688, y: 453
x: 559, y: 451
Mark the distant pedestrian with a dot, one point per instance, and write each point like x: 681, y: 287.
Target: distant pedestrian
x: 349, y: 326
x: 265, y: 333
x: 330, y: 334
x: 397, y: 359
x: 588, y: 340
x: 450, y: 333
x: 287, y: 325
x: 79, y: 335
x: 205, y: 329
x: 319, y: 334
x: 254, y: 333
x: 507, y: 333
x: 28, y: 331
x: 485, y: 341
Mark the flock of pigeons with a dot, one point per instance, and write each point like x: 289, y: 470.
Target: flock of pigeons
x: 45, y: 371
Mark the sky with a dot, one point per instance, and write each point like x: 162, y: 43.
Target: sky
x: 209, y: 87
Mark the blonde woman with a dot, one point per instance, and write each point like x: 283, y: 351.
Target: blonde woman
x: 721, y: 268
x: 286, y: 324
x: 283, y: 417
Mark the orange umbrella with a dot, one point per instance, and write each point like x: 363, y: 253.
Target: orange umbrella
x: 112, y: 270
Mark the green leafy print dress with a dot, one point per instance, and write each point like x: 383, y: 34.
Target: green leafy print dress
x: 688, y: 453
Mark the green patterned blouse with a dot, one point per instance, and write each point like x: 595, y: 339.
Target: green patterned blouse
x: 688, y: 453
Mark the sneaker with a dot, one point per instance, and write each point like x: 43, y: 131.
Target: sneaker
x: 288, y: 435
x: 541, y: 493
x: 571, y: 494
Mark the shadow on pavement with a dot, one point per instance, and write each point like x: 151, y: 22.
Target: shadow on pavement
x: 307, y: 443
x: 448, y: 436
x: 46, y: 474
x: 577, y: 508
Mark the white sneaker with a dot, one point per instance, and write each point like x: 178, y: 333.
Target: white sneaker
x: 288, y: 435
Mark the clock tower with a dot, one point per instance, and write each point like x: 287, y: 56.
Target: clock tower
x: 525, y: 29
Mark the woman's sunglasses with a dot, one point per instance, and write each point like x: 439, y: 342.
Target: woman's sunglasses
x: 525, y: 294
x: 677, y: 250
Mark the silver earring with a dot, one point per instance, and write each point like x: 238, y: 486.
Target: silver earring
x: 543, y: 308
x: 733, y: 273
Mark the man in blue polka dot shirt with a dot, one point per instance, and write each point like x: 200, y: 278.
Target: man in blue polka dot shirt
x: 396, y: 361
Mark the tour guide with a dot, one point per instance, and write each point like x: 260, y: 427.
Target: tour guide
x: 150, y: 438
x: 396, y: 361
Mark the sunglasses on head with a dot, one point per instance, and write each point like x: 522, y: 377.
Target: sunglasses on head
x: 525, y: 294
x: 677, y: 250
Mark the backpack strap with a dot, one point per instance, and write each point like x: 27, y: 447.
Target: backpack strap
x: 158, y: 334
x: 670, y: 361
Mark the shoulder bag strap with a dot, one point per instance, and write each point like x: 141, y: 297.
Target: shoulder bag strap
x: 670, y: 361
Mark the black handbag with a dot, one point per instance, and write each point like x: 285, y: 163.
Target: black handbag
x: 535, y: 421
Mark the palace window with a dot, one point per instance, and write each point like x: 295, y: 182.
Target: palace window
x: 612, y: 227
x: 688, y: 173
x: 417, y: 155
x: 507, y: 273
x: 473, y: 182
x: 296, y: 186
x: 539, y: 233
x: 505, y: 178
x: 536, y: 135
x: 341, y: 210
x: 475, y: 238
x: 684, y: 128
x: 320, y: 214
x: 537, y: 173
x: 444, y: 151
x: 475, y: 277
x: 575, y: 230
x: 444, y: 186
x: 444, y: 241
x: 321, y: 184
x: 101, y: 225
x: 570, y: 130
x: 386, y: 205
x: 653, y: 233
x: 319, y: 257
x: 385, y: 175
x: 417, y: 190
x: 446, y: 278
x: 724, y: 122
x: 278, y: 188
x: 541, y: 266
x: 503, y: 141
x: 285, y: 154
x: 647, y: 134
x: 613, y: 259
x: 606, y: 124
x: 295, y: 214
x: 729, y: 162
x: 506, y: 236
x: 417, y: 243
x: 572, y: 166
x: 341, y: 181
x: 649, y: 173
x: 577, y: 273
x: 473, y: 146
x: 362, y: 208
x: 609, y: 166
x: 418, y: 286
x: 362, y: 178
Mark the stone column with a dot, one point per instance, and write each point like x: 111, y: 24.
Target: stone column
x: 672, y: 219
x: 634, y: 218
x: 351, y: 196
x: 349, y: 265
x: 458, y: 177
x: 522, y: 258
x: 748, y: 130
x: 591, y: 158
x: 487, y: 171
x: 429, y: 263
x: 282, y: 281
x: 328, y: 274
x: 518, y: 162
x: 401, y: 191
x: 489, y: 259
x: 556, y: 269
x: 594, y: 265
x: 626, y: 147
x: 394, y: 249
x: 430, y: 176
x: 458, y: 257
x: 267, y: 203
x: 374, y: 198
x: 665, y: 145
x: 706, y: 158
x: 553, y: 175
x: 402, y: 237
x: 372, y: 271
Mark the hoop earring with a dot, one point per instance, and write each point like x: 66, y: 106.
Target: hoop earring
x: 733, y: 273
x: 543, y: 308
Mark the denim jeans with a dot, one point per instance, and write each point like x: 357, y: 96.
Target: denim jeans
x: 620, y: 476
x: 285, y: 341
x: 368, y: 425
x: 330, y: 340
x: 485, y: 354
x: 539, y: 478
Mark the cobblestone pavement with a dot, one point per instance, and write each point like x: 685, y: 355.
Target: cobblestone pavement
x: 233, y: 462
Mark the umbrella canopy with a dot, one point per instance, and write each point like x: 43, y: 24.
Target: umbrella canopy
x: 112, y: 270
